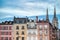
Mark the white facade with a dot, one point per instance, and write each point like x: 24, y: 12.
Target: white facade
x: 31, y: 31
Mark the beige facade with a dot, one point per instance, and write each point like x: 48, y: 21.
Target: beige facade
x: 19, y: 31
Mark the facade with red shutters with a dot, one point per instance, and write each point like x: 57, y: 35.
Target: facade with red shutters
x: 6, y: 30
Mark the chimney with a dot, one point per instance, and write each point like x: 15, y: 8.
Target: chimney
x: 36, y: 18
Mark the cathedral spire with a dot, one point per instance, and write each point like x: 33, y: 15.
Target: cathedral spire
x: 55, y: 19
x: 54, y: 12
x: 47, y: 18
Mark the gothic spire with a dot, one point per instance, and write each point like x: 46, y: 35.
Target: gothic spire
x: 47, y: 18
x: 55, y: 19
x: 54, y: 12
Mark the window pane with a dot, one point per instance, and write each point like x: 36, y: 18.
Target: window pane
x: 9, y: 33
x: 22, y: 32
x: 5, y: 28
x: 40, y: 27
x: 17, y: 27
x: 17, y: 38
x: 46, y: 38
x: 10, y: 38
x: 45, y: 26
x: 6, y: 38
x: 10, y: 27
x: 41, y: 38
x: 2, y: 38
x: 22, y: 27
x: 17, y: 33
x: 40, y: 32
x: 46, y: 32
x: 22, y: 38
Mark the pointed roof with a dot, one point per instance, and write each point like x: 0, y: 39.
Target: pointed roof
x: 47, y: 17
x: 54, y: 12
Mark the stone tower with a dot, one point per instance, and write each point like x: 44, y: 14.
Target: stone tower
x: 55, y: 19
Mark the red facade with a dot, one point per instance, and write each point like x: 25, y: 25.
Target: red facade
x: 5, y: 32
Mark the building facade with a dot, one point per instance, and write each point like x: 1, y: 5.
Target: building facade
x: 27, y: 29
x: 58, y: 33
x: 31, y: 30
x: 6, y: 30
x: 20, y: 29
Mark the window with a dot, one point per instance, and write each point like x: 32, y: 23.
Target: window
x: 6, y: 33
x: 10, y: 27
x: 17, y: 33
x: 22, y: 32
x: 6, y: 38
x: 40, y: 27
x: 21, y: 21
x: 29, y: 32
x: 46, y: 38
x: 2, y: 38
x: 17, y: 21
x: 28, y: 26
x: 22, y: 27
x: 45, y: 26
x: 40, y: 32
x: 32, y: 25
x: 29, y: 37
x: 22, y: 38
x: 34, y: 33
x: 9, y: 33
x: 34, y: 38
x: 46, y: 32
x: 10, y: 38
x: 17, y: 27
x: 35, y: 25
x: 40, y: 38
x: 2, y: 33
x: 5, y: 28
x: 17, y: 38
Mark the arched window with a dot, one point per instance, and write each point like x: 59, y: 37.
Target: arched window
x: 22, y: 38
x: 17, y: 27
x: 22, y: 32
x: 17, y: 33
x: 17, y: 38
x: 22, y: 27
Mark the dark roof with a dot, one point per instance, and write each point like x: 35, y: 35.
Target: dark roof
x: 43, y: 21
x: 7, y: 23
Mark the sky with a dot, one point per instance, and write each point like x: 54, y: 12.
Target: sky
x: 30, y: 8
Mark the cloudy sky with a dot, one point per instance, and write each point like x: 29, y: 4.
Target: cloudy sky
x: 20, y: 8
